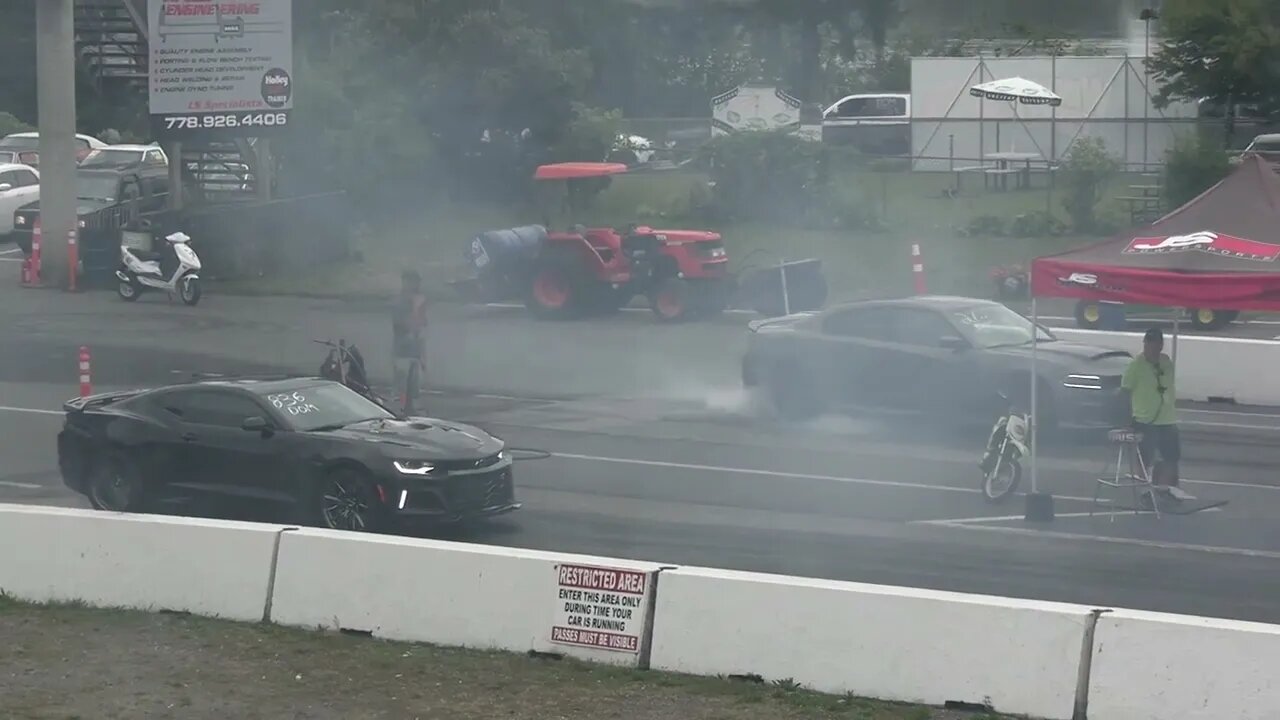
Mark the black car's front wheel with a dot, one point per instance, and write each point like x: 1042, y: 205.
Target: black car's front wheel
x: 347, y: 499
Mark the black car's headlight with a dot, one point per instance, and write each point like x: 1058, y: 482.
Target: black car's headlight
x: 414, y: 467
x: 1083, y: 382
x: 504, y: 455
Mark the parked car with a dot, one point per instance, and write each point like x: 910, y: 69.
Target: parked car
x: 30, y: 158
x: 941, y: 357
x: 19, y: 185
x: 30, y: 141
x: 337, y: 459
x: 125, y: 156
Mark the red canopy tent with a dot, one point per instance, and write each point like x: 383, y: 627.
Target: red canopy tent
x: 1220, y: 250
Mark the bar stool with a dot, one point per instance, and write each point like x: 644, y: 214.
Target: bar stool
x: 1137, y: 478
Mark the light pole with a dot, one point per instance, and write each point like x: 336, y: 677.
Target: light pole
x: 56, y: 109
x: 1146, y: 16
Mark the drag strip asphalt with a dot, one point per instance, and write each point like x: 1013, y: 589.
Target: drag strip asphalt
x: 657, y: 454
x: 835, y: 499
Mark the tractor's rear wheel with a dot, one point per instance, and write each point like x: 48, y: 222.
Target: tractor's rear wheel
x: 670, y: 300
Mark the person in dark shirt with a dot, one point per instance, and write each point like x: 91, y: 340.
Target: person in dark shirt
x: 409, y: 325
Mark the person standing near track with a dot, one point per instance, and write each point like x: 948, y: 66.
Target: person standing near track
x: 1149, y: 380
x: 408, y: 327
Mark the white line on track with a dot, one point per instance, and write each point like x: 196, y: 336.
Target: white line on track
x: 10, y: 251
x: 1156, y: 544
x: 517, y: 306
x: 21, y: 485
x: 795, y: 475
x: 769, y: 473
x: 1101, y: 512
x: 29, y: 411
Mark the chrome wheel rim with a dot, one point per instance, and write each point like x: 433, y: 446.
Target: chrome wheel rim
x: 188, y: 290
x: 126, y: 289
x: 343, y: 507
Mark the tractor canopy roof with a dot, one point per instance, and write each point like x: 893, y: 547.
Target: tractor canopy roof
x: 574, y: 170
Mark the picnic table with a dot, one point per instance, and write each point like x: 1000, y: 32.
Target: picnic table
x: 1004, y: 166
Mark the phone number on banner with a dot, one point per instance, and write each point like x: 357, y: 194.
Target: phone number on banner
x: 217, y: 121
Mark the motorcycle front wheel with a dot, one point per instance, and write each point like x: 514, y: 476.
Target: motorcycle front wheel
x: 189, y: 289
x: 999, y: 483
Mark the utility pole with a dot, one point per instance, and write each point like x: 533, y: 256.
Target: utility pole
x: 56, y: 105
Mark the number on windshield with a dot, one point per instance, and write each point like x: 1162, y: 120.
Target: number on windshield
x: 294, y: 403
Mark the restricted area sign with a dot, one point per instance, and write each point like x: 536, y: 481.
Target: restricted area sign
x: 599, y: 607
x: 220, y: 69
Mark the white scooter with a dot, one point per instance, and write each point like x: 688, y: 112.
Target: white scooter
x: 138, y: 273
x: 1002, y: 463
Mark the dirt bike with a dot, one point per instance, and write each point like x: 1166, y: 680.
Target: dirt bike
x: 345, y: 364
x: 1002, y: 463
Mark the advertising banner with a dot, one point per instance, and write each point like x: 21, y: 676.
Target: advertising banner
x: 220, y: 69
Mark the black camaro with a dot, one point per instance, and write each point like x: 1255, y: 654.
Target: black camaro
x: 338, y: 459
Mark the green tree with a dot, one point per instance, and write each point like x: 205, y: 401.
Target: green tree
x: 1226, y: 51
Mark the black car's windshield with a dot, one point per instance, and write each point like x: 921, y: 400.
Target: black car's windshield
x: 97, y: 187
x: 112, y: 158
x: 995, y: 325
x: 323, y: 406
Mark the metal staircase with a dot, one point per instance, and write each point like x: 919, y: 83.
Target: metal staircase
x: 111, y: 43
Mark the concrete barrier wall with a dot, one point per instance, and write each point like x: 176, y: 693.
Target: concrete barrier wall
x: 212, y: 568
x: 1208, y: 367
x: 1020, y: 657
x: 1152, y: 666
x: 892, y: 643
x: 469, y: 595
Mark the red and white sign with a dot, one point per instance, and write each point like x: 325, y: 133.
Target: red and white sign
x: 1207, y: 242
x: 601, y: 608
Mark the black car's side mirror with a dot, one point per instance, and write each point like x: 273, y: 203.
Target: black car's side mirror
x: 952, y: 342
x: 255, y: 424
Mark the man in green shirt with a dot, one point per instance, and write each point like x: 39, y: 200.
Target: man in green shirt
x: 1149, y: 382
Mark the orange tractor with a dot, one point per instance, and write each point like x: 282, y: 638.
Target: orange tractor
x: 580, y: 271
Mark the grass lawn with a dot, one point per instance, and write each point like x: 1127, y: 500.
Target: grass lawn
x: 71, y: 662
x: 912, y: 206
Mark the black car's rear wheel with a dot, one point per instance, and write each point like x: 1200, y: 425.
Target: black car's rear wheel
x: 348, y: 500
x: 116, y: 485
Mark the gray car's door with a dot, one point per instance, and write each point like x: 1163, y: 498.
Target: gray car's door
x: 856, y: 340
x: 925, y: 373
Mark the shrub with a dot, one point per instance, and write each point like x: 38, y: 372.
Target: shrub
x: 1086, y: 174
x: 1192, y: 166
x: 778, y: 177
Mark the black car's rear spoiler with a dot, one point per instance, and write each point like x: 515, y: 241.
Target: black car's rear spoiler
x: 81, y: 404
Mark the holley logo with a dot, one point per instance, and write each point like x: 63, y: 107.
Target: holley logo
x: 1208, y: 242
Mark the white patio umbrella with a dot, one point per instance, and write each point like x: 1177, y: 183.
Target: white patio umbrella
x: 1015, y: 91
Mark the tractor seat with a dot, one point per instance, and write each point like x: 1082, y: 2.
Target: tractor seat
x: 1124, y: 436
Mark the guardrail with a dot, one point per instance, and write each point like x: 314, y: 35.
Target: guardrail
x: 1049, y: 660
x: 1214, y: 369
